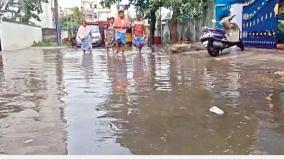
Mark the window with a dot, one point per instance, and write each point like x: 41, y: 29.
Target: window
x: 95, y: 29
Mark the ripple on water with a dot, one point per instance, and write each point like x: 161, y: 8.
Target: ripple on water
x: 149, y: 104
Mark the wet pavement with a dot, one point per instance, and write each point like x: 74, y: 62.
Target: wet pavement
x: 59, y: 101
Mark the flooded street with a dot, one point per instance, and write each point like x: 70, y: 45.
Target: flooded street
x: 59, y: 101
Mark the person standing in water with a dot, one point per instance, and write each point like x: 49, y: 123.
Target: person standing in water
x: 121, y: 23
x: 138, y: 32
x: 84, y: 36
x: 110, y: 35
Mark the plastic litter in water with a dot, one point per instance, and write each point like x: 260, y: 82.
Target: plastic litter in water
x: 29, y: 141
x: 217, y: 110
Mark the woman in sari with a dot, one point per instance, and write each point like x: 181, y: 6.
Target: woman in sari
x: 110, y: 35
x: 84, y: 36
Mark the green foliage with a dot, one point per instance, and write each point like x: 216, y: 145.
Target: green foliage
x: 183, y: 9
x: 72, y: 22
x: 107, y: 3
x: 45, y: 43
x: 25, y: 10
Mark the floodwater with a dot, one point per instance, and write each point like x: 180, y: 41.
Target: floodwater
x: 62, y: 102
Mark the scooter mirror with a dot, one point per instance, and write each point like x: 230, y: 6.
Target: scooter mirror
x: 232, y: 17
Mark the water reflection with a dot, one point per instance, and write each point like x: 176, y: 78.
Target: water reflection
x: 152, y: 103
x: 1, y: 69
x: 87, y: 64
x: 139, y: 74
x: 117, y: 69
x: 30, y: 108
x: 178, y: 121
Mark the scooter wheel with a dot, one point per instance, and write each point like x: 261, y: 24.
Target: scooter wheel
x: 212, y: 51
x: 241, y: 46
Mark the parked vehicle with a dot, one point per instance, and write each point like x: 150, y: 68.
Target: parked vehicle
x: 129, y: 37
x: 216, y: 40
x: 97, y: 37
x: 102, y: 25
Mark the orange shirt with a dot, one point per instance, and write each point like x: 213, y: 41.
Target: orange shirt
x: 121, y: 24
x: 138, y: 27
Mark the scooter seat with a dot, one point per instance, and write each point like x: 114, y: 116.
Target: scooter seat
x: 218, y: 30
x: 214, y: 30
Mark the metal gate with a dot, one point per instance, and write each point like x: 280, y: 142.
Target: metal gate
x: 222, y: 8
x: 260, y: 23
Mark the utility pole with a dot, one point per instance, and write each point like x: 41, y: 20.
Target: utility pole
x: 57, y: 24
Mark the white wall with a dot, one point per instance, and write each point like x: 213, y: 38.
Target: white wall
x: 237, y: 9
x: 17, y: 36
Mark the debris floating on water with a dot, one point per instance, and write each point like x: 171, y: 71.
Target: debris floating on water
x: 269, y: 97
x: 246, y: 117
x: 217, y: 110
x: 29, y: 141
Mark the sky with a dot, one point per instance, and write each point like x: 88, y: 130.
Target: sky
x: 69, y: 3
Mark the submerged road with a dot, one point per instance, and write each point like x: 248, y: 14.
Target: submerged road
x: 59, y: 101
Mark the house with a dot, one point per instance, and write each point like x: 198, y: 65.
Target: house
x: 93, y: 10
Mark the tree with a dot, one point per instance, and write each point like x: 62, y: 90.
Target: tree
x: 183, y: 10
x: 25, y: 10
x: 3, y: 4
x: 148, y: 7
x: 71, y: 23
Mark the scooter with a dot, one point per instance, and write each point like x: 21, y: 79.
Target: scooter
x: 216, y: 40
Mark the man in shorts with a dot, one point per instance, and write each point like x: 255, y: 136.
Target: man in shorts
x: 120, y: 24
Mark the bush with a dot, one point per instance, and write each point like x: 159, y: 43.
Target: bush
x: 45, y: 43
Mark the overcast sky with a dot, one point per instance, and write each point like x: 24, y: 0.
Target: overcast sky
x: 69, y: 3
